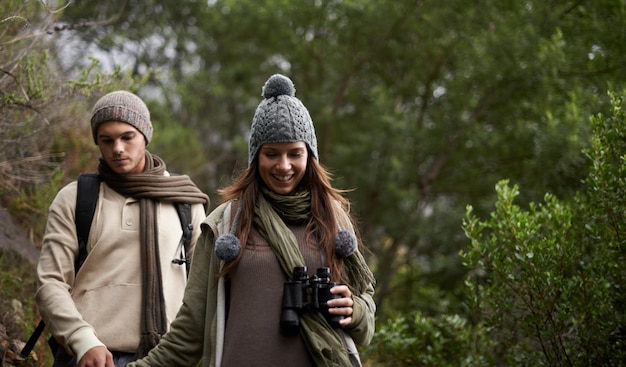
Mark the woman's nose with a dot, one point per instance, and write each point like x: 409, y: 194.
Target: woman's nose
x: 284, y: 163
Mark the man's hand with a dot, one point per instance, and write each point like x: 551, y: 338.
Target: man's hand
x: 97, y: 357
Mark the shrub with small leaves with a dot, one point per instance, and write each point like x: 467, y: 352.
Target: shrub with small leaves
x: 547, y: 281
x: 420, y: 341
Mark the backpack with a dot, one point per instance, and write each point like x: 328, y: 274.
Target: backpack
x: 86, y: 201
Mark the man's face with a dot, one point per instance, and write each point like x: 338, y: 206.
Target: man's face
x: 122, y: 146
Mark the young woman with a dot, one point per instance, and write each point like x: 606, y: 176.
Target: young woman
x: 257, y: 292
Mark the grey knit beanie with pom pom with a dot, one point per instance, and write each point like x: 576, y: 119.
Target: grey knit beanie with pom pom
x: 281, y: 118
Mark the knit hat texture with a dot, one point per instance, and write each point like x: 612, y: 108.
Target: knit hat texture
x: 125, y: 107
x: 281, y: 118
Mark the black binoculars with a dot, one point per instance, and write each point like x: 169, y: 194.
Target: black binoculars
x: 307, y: 294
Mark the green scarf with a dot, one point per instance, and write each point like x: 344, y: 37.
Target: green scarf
x: 324, y: 343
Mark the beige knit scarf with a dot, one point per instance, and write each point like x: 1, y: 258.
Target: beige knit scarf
x: 149, y: 187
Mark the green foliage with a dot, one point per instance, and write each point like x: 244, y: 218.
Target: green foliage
x: 602, y: 216
x: 170, y: 135
x: 31, y: 205
x: 548, y: 281
x: 421, y: 108
x: 529, y: 261
x: 18, y: 283
x: 606, y: 180
x: 42, y: 109
x: 17, y: 306
x: 429, y: 299
x: 420, y: 341
x: 91, y: 80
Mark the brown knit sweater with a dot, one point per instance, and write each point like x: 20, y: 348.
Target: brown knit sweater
x: 256, y: 292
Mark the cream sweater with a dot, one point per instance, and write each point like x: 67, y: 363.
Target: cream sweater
x: 102, y: 304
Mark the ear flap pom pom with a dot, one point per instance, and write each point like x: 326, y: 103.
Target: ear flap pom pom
x: 345, y: 243
x: 227, y: 247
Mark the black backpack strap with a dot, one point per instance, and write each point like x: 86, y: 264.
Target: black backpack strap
x: 184, y: 214
x: 30, y: 344
x: 86, y: 201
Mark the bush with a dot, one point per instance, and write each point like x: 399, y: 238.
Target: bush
x: 548, y: 281
x: 420, y: 341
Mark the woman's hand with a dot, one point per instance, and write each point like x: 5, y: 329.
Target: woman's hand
x: 342, y: 306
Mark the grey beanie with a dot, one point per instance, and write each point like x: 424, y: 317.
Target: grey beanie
x: 125, y: 107
x: 281, y: 118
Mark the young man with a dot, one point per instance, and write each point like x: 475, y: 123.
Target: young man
x: 128, y: 289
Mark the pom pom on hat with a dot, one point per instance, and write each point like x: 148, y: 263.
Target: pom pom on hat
x: 278, y: 85
x: 345, y: 243
x: 227, y: 247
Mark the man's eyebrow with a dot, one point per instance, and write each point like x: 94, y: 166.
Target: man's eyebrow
x: 124, y: 133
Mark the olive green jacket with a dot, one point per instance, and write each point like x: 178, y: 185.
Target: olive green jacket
x: 196, y: 335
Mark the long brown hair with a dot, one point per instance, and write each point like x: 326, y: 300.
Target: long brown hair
x: 322, y: 226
